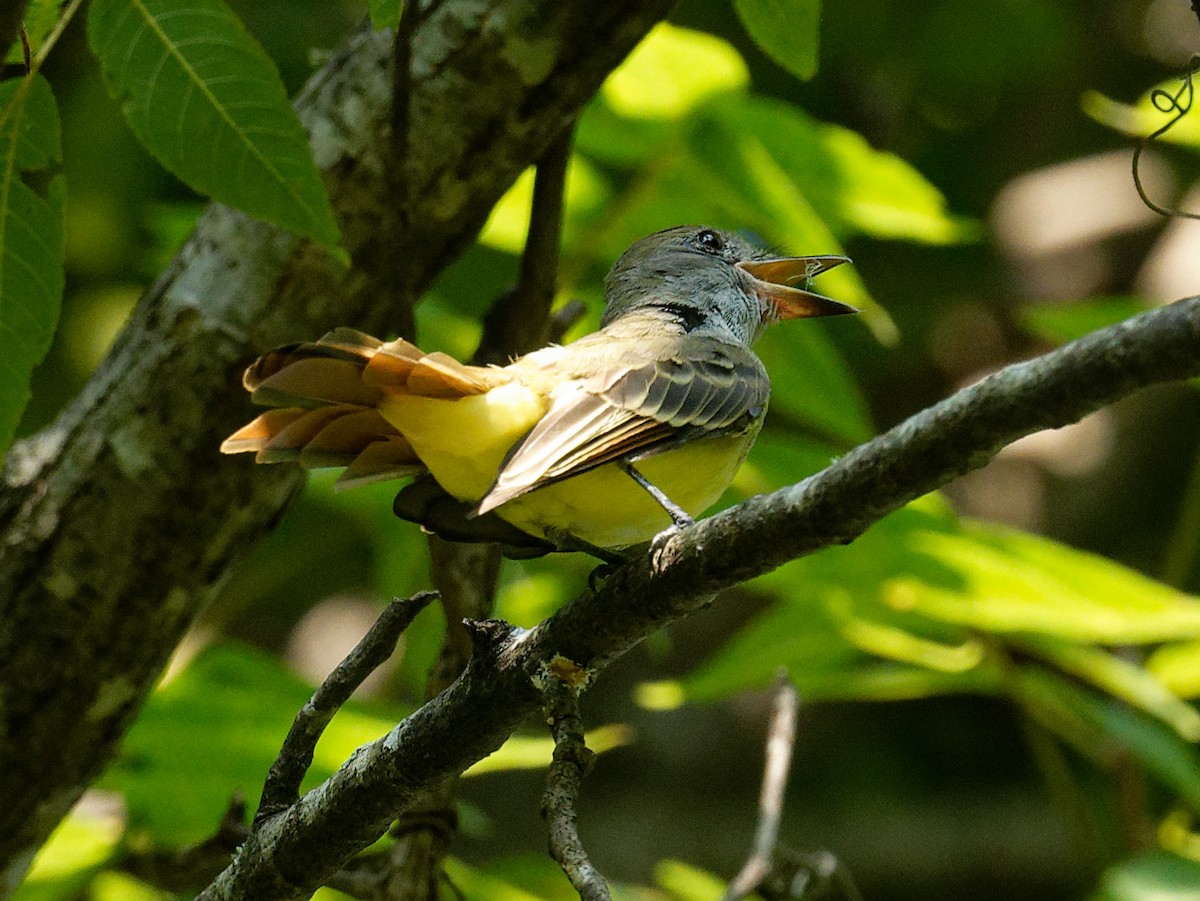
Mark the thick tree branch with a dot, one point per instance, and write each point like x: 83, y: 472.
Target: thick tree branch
x: 120, y: 518
x: 498, y: 690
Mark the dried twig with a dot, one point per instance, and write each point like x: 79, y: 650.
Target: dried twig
x: 572, y: 762
x: 781, y: 736
x: 282, y: 786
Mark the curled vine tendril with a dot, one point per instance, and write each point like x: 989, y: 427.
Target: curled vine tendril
x: 1179, y: 103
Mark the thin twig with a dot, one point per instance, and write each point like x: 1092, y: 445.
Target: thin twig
x: 519, y: 321
x: 781, y: 737
x: 282, y: 786
x: 571, y: 763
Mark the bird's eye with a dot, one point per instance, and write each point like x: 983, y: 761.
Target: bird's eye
x: 709, y: 241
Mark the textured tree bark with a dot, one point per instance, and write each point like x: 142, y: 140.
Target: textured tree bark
x: 120, y: 519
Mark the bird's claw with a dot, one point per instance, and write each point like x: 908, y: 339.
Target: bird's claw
x: 658, y: 547
x: 599, y: 575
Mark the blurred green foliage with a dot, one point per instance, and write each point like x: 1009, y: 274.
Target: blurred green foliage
x: 1096, y: 661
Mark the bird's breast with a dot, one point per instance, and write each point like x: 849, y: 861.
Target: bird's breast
x: 607, y: 508
x: 463, y: 441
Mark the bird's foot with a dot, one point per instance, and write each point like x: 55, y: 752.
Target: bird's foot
x: 657, y: 555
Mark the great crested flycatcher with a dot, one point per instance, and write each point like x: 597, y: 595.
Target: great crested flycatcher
x: 599, y: 444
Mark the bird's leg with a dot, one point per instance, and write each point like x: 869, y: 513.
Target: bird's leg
x: 565, y: 541
x: 679, y: 516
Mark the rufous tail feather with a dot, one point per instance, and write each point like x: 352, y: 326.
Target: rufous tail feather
x: 325, y: 396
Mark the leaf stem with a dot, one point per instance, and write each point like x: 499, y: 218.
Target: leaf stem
x: 52, y: 38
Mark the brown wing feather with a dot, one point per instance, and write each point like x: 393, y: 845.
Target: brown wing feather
x: 698, y: 389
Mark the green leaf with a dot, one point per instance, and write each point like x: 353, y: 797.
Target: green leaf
x: 1089, y: 721
x: 1121, y: 679
x: 31, y: 240
x: 1177, y: 666
x: 851, y: 185
x: 40, y: 18
x: 786, y: 30
x: 917, y: 590
x: 1006, y: 581
x: 1157, y: 876
x: 1060, y: 323
x: 671, y: 72
x: 77, y: 848
x: 385, y: 13
x: 686, y: 882
x: 205, y: 99
x: 811, y: 384
x: 229, y: 708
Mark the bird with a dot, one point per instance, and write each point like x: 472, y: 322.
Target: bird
x: 601, y: 444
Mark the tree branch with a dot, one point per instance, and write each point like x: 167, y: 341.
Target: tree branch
x: 120, y: 518
x: 282, y: 786
x: 781, y: 737
x: 572, y: 762
x: 498, y: 690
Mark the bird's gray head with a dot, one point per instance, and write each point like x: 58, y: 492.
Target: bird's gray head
x: 708, y: 281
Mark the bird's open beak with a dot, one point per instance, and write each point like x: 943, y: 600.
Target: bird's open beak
x: 775, y: 281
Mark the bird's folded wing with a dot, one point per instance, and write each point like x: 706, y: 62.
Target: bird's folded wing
x: 702, y: 389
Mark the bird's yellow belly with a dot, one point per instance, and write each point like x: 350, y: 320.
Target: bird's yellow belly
x: 462, y: 442
x: 607, y: 508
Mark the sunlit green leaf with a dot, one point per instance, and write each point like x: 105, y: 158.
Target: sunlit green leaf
x: 31, y: 240
x: 848, y: 182
x: 205, y: 99
x: 479, y: 886
x: 917, y: 589
x: 1177, y: 666
x: 1058, y: 703
x: 1121, y: 679
x: 1143, y: 117
x: 115, y: 886
x: 1061, y: 323
x: 1157, y: 876
x: 385, y: 13
x: 686, y: 882
x: 524, y: 752
x: 786, y: 30
x: 75, y: 850
x: 215, y: 729
x: 1008, y: 581
x: 671, y: 72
